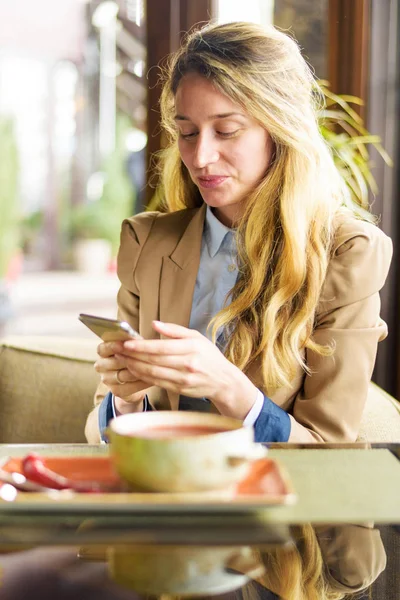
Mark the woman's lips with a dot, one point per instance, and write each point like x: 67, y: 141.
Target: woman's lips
x: 211, y: 181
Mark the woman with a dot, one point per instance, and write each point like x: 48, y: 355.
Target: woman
x: 262, y: 286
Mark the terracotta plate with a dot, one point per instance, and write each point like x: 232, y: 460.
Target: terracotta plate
x: 267, y: 484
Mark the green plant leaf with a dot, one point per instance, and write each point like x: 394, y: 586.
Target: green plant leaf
x: 336, y: 116
x: 343, y: 101
x: 345, y: 133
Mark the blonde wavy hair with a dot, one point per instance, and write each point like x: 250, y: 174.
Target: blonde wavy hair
x: 284, y: 238
x: 297, y: 572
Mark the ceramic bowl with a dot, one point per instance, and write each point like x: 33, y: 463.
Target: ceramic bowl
x: 177, y: 451
x: 182, y: 570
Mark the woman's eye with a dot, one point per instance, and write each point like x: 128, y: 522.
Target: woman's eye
x: 228, y: 134
x: 187, y: 136
x: 222, y: 134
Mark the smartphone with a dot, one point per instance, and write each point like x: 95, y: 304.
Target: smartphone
x: 110, y: 330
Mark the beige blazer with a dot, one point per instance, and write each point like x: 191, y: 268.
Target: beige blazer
x: 353, y: 558
x: 158, y: 262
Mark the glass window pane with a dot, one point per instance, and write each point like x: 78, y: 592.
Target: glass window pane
x: 308, y: 21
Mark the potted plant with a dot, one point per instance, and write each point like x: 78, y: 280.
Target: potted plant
x: 96, y: 224
x: 344, y: 131
x: 92, y: 249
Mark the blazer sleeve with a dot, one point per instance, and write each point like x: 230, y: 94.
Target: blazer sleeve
x: 134, y: 233
x: 354, y: 556
x: 331, y: 401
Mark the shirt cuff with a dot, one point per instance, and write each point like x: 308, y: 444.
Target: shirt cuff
x: 114, y: 410
x: 273, y: 423
x: 105, y: 415
x: 107, y: 411
x: 255, y: 410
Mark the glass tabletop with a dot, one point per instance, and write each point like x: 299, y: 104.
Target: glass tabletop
x: 318, y: 484
x: 342, y: 535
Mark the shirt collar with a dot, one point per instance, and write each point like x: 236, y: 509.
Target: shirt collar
x: 215, y: 232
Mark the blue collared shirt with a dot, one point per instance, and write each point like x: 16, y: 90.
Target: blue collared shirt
x: 217, y: 273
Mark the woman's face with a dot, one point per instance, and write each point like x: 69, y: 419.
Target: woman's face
x: 226, y: 152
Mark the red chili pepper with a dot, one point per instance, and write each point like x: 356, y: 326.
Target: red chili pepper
x: 34, y: 468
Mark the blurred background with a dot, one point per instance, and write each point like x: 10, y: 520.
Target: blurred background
x: 79, y: 127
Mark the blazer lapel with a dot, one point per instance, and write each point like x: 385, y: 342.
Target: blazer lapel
x: 179, y: 273
x: 178, y: 279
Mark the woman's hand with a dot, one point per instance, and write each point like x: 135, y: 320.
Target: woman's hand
x: 187, y: 363
x: 128, y: 390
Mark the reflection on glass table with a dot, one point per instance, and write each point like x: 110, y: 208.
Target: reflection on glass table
x: 324, y: 563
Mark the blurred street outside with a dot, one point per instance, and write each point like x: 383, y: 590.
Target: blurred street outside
x: 48, y: 303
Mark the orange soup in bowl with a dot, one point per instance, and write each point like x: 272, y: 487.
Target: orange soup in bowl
x: 177, y: 431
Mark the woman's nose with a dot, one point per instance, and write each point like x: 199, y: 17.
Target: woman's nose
x: 205, y: 152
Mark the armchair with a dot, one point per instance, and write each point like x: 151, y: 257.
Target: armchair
x: 47, y: 386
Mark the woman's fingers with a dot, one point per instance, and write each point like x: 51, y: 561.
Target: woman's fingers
x: 181, y: 340
x: 162, y: 376
x: 172, y: 330
x: 130, y: 384
x: 183, y: 362
x: 106, y: 349
x: 114, y: 374
x: 163, y: 347
x: 103, y: 365
x: 188, y: 362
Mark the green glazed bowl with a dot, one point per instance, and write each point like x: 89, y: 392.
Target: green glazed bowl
x: 177, y: 451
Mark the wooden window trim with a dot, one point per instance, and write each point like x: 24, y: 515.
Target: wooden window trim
x: 164, y: 33
x: 349, y: 42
